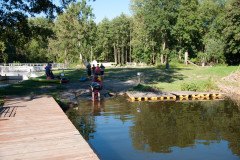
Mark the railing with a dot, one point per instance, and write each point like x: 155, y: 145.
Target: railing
x: 136, y: 64
x: 54, y: 65
x: 25, y: 69
x: 106, y: 64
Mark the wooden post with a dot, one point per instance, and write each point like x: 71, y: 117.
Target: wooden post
x: 186, y: 58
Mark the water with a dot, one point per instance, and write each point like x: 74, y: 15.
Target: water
x: 122, y: 130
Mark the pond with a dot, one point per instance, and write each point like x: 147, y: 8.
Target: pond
x: 122, y: 130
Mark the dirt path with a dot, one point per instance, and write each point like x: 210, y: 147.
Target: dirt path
x: 232, y: 91
x: 81, y: 90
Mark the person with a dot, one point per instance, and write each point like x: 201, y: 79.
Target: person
x: 89, y: 71
x: 97, y: 70
x: 167, y: 65
x: 48, y: 71
x: 96, y: 86
x: 102, y: 71
x: 93, y: 69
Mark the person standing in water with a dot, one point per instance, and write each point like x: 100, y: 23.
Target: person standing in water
x: 96, y: 86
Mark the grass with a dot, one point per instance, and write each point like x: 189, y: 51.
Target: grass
x: 152, y: 77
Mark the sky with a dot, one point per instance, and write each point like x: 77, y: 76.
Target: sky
x: 109, y: 8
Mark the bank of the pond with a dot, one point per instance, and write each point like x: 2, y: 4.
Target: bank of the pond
x: 119, y: 80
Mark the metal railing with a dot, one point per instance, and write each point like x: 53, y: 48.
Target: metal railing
x: 54, y: 65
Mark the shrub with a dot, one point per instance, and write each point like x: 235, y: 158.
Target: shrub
x: 190, y: 87
x: 209, y: 85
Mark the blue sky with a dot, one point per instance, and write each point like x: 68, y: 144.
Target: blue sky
x: 109, y: 8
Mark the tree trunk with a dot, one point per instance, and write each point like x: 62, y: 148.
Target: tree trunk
x: 186, y: 58
x: 126, y: 56
x: 115, y: 53
x: 179, y: 54
x: 118, y: 52
x: 91, y: 53
x: 122, y: 56
x: 66, y: 58
x: 80, y: 56
x: 161, y: 59
x: 130, y: 49
x: 166, y: 58
x: 164, y: 47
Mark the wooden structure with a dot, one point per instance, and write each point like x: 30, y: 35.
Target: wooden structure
x: 196, y: 95
x: 177, y: 95
x: 37, y: 128
x: 145, y: 96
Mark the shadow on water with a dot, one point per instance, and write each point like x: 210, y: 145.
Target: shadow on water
x: 143, y: 130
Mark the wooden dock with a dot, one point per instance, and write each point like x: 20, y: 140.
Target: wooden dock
x: 37, y: 128
x: 145, y: 96
x: 197, y: 95
x: 173, y: 96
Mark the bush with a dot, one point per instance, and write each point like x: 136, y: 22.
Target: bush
x: 205, y: 86
x: 209, y: 85
x: 190, y: 87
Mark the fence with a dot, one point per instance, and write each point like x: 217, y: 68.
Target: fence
x: 54, y: 65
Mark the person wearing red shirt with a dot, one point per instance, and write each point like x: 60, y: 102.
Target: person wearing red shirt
x: 93, y: 69
x: 97, y: 71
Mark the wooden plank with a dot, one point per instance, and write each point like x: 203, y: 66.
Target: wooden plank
x: 40, y: 130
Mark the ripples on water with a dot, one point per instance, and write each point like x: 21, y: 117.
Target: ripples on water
x: 119, y: 129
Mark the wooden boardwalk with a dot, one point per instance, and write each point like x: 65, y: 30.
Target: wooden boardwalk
x: 37, y: 128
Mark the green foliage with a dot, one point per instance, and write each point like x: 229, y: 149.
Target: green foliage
x: 158, y: 31
x: 231, y: 32
x: 190, y: 87
x: 207, y: 85
x: 72, y: 33
x: 4, y: 56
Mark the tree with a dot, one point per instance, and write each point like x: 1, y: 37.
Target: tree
x: 2, y: 51
x: 212, y: 13
x: 231, y: 32
x: 159, y: 18
x: 104, y: 38
x: 72, y: 33
x: 188, y: 29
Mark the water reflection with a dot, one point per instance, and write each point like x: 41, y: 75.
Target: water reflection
x: 161, y: 128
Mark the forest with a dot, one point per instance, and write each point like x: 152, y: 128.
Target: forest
x: 158, y: 31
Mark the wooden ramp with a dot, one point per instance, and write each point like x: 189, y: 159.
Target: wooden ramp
x: 37, y: 128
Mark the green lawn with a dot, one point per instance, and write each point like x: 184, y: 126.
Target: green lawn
x: 173, y: 78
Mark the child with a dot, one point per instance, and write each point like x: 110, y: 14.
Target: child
x: 96, y: 86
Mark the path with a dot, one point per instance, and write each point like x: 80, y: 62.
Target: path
x: 37, y: 128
